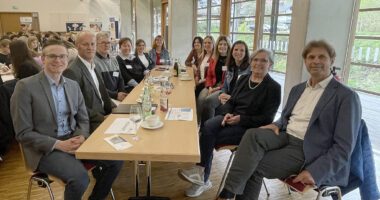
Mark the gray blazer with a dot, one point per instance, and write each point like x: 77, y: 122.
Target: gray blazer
x: 331, y: 135
x: 35, y: 119
x: 96, y: 112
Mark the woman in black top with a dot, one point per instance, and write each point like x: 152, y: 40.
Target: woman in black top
x: 142, y: 59
x: 253, y: 103
x: 131, y: 74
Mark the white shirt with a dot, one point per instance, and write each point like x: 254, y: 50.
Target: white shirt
x: 91, y: 68
x: 203, y: 66
x: 144, y: 61
x: 304, y: 108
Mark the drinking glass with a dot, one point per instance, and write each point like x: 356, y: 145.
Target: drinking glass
x: 135, y: 115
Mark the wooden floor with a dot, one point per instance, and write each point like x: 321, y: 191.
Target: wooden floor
x: 14, y: 181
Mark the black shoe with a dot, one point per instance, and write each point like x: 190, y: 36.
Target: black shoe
x: 96, y: 172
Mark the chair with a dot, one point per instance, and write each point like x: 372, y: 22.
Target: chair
x: 233, y: 149
x: 44, y: 180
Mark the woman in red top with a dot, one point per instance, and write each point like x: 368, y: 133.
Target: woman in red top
x: 215, y: 73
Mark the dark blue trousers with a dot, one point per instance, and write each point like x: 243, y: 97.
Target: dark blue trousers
x: 214, y: 134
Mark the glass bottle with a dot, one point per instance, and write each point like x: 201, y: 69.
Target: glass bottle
x: 146, y: 103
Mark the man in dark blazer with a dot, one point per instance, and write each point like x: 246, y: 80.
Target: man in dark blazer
x: 313, y: 139
x: 84, y: 71
x: 51, y: 123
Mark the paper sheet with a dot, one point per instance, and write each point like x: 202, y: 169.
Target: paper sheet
x: 123, y: 126
x: 185, y: 114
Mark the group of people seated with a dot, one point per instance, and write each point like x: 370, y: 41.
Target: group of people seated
x: 236, y: 103
x: 237, y: 100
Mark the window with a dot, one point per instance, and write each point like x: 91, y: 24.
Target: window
x: 242, y: 26
x: 208, y: 17
x: 157, y: 21
x: 276, y: 29
x: 364, y: 69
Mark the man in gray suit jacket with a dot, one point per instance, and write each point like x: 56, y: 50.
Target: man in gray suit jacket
x: 51, y: 123
x: 313, y: 139
x: 88, y: 76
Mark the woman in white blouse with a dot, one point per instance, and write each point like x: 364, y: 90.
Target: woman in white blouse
x: 201, y: 72
x: 142, y: 58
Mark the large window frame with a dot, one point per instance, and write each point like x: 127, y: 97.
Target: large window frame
x: 363, y: 58
x: 234, y: 22
x: 273, y: 31
x: 209, y: 17
x: 229, y: 20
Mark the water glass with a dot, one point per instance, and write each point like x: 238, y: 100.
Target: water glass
x: 135, y: 115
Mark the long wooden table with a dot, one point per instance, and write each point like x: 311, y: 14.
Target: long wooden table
x: 176, y: 141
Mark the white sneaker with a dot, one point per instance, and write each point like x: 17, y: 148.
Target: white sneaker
x: 196, y: 190
x: 193, y: 175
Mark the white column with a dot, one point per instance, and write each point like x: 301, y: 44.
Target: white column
x: 180, y: 34
x: 144, y: 21
x: 126, y: 18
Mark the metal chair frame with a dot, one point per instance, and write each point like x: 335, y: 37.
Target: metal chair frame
x: 233, y: 149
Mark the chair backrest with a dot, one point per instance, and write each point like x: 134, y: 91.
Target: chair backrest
x: 28, y: 169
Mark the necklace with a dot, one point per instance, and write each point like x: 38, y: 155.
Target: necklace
x: 254, y: 87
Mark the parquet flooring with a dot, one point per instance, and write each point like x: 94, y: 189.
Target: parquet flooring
x: 14, y: 181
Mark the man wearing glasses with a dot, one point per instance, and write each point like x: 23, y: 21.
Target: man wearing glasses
x: 51, y: 123
x: 109, y: 67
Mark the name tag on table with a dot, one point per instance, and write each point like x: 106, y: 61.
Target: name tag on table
x: 128, y: 66
x: 115, y: 74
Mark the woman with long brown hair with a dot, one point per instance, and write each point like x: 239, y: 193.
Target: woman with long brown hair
x: 22, y: 61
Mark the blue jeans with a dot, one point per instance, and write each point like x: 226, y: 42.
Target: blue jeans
x: 214, y: 134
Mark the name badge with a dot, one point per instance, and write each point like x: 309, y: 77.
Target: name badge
x: 128, y: 66
x: 207, y: 64
x: 224, y: 68
x: 115, y: 74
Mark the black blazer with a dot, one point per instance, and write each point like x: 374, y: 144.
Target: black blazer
x: 136, y: 72
x: 96, y: 112
x: 267, y: 99
x: 139, y: 63
x: 7, y: 132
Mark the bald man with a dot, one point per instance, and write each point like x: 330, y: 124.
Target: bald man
x: 88, y: 75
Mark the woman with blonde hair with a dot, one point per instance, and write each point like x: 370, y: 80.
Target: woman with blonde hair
x: 215, y: 75
x: 159, y: 54
x: 202, y: 67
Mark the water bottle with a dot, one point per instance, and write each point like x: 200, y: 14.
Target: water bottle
x: 164, y: 101
x: 146, y: 103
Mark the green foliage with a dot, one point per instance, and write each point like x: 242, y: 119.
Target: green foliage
x: 364, y: 78
x: 280, y: 63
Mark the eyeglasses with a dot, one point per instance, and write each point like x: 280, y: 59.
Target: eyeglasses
x: 105, y: 43
x: 54, y: 57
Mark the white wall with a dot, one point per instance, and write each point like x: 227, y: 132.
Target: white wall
x: 144, y: 21
x: 53, y: 14
x: 180, y: 28
x: 126, y: 18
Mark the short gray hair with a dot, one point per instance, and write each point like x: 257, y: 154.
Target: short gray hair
x: 101, y: 35
x: 262, y: 50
